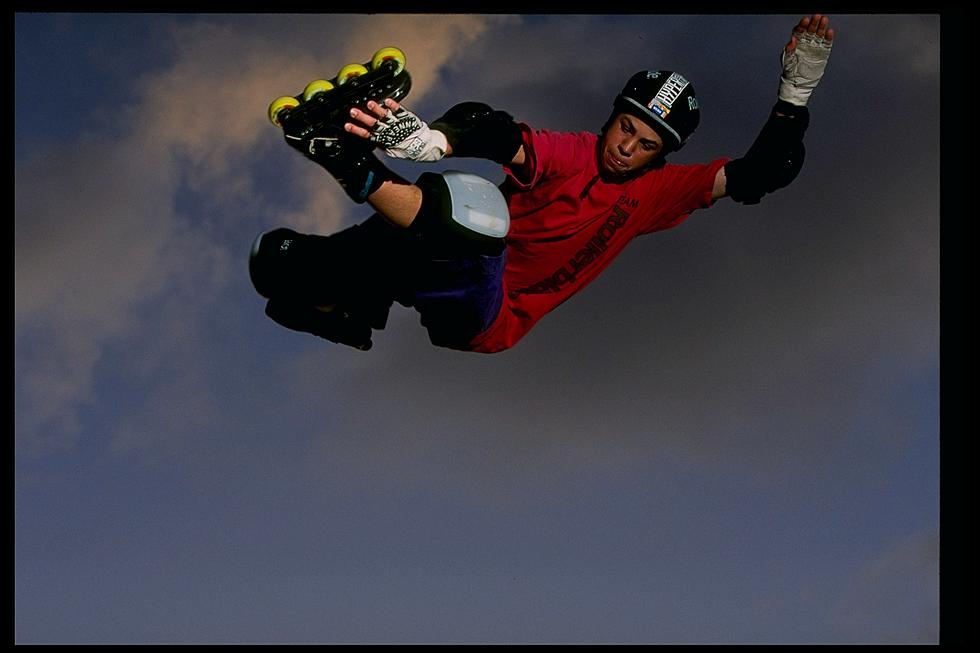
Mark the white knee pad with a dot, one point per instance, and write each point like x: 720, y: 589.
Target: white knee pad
x: 477, y: 204
x: 463, y: 211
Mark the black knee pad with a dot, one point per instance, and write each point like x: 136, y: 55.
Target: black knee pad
x: 275, y: 261
x: 461, y: 215
x: 361, y: 267
x: 306, y: 267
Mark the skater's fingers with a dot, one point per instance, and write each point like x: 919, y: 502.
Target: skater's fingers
x: 365, y: 119
x: 822, y: 31
x: 356, y: 130
x: 378, y: 110
x: 382, y: 110
x: 816, y: 24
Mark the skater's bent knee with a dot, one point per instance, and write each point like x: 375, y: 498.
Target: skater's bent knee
x: 265, y: 260
x: 461, y: 213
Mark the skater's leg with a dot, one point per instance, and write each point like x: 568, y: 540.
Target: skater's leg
x: 457, y: 285
x: 459, y: 215
x: 458, y: 299
x: 448, y: 264
x: 456, y: 225
x: 306, y: 268
x: 338, y: 287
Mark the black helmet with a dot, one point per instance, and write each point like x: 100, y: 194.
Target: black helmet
x: 664, y: 100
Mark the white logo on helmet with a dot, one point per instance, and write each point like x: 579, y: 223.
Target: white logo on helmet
x: 669, y: 92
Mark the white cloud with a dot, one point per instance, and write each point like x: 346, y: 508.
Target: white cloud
x: 87, y: 252
x: 99, y: 230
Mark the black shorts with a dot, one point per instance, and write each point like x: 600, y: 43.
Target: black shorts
x: 458, y: 299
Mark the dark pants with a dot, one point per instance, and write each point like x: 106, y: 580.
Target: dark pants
x: 365, y: 268
x: 458, y: 299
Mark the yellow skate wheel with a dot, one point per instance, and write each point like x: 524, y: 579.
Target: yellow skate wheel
x: 384, y: 54
x: 350, y: 71
x: 280, y: 104
x: 314, y: 87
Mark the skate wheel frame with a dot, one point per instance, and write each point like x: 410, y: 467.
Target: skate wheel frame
x: 349, y: 72
x: 282, y: 105
x: 316, y: 86
x: 279, y: 105
x: 385, y: 54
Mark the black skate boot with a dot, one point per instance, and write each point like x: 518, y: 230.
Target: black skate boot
x: 312, y: 122
x: 349, y: 159
x: 333, y: 324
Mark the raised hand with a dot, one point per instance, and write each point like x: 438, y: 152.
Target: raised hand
x: 804, y: 58
x: 815, y: 25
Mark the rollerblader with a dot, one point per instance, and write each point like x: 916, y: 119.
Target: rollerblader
x: 480, y: 264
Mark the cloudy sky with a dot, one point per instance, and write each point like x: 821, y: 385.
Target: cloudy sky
x: 731, y: 436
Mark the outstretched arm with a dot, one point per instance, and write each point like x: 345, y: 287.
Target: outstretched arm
x: 776, y: 156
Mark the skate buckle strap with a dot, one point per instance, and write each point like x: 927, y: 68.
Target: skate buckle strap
x: 316, y: 146
x: 320, y: 145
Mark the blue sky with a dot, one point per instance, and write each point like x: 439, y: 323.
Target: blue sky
x: 732, y: 436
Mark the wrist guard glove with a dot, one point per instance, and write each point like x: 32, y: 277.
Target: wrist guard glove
x: 403, y: 135
x: 803, y: 67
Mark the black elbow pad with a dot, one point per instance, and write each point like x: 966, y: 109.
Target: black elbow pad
x: 476, y: 129
x: 775, y: 158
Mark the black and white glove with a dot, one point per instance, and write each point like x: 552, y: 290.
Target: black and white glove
x: 403, y: 135
x: 803, y: 67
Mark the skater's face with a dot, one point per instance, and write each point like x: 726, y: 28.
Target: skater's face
x: 628, y: 145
